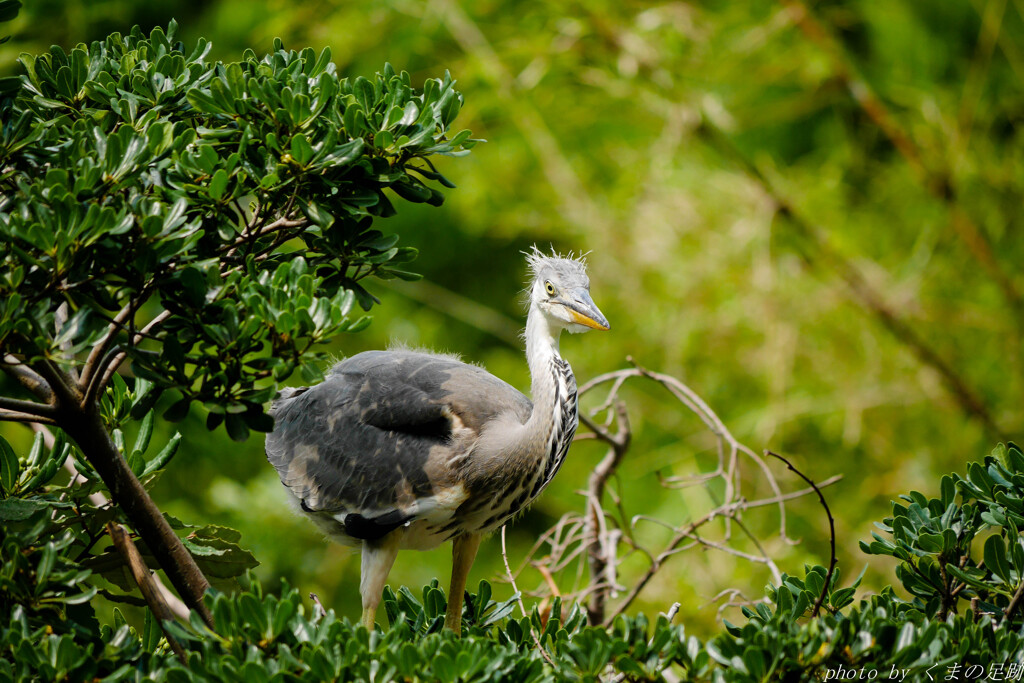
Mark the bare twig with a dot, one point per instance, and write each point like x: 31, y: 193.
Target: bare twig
x: 109, y: 367
x: 592, y: 538
x: 672, y: 611
x: 519, y: 598
x: 229, y: 250
x: 601, y: 549
x: 140, y: 572
x: 686, y: 532
x: 831, y: 530
x: 318, y: 606
x: 1014, y: 602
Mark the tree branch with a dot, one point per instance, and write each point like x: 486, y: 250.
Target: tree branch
x: 99, y: 379
x: 27, y: 377
x: 27, y: 407
x: 816, y: 250
x: 144, y: 579
x: 683, y: 533
x: 598, y: 546
x: 229, y: 250
x: 831, y: 531
x: 937, y: 182
x: 15, y: 416
x: 65, y: 391
x: 85, y: 426
x: 92, y: 363
x: 1014, y: 602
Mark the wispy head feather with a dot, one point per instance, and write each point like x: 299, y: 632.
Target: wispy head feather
x: 567, y: 266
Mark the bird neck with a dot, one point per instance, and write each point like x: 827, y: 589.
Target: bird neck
x: 541, y: 355
x: 554, y: 418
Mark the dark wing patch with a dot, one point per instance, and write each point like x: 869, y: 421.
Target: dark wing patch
x: 360, y: 442
x: 367, y: 529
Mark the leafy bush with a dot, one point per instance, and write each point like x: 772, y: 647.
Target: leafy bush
x: 262, y: 637
x: 972, y: 623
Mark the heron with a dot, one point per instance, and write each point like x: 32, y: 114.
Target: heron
x: 404, y: 449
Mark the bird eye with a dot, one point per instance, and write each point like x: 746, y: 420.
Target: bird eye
x: 549, y: 288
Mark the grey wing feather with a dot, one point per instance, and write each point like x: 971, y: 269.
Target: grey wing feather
x: 368, y: 438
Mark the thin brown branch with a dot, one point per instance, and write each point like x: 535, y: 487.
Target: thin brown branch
x: 684, y: 533
x: 522, y: 608
x: 1014, y: 602
x: 816, y: 251
x: 140, y: 572
x: 117, y: 324
x: 831, y: 530
x: 727, y: 549
x: 229, y: 250
x: 937, y: 181
x: 100, y: 379
x: 14, y: 405
x: 27, y: 377
x: 28, y: 418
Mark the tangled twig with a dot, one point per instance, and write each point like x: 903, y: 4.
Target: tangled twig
x: 602, y: 536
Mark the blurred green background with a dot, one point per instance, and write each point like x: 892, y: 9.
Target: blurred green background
x: 810, y: 213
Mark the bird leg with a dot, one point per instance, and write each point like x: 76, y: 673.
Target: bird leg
x: 464, y: 549
x: 378, y: 558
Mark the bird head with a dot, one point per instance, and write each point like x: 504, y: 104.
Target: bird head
x: 560, y: 289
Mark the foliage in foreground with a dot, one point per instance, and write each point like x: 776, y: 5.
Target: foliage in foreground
x: 965, y: 612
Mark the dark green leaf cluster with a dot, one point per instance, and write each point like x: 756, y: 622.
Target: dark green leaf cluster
x: 217, y: 217
x: 965, y: 609
x: 966, y: 545
x: 882, y: 634
x: 263, y: 637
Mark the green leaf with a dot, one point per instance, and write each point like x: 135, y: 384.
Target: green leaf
x: 9, y: 468
x: 9, y: 9
x: 218, y: 184
x: 237, y: 428
x: 216, y: 551
x: 145, y: 434
x: 164, y: 456
x: 995, y: 557
x: 16, y: 509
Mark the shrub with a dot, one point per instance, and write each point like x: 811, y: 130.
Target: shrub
x: 966, y: 626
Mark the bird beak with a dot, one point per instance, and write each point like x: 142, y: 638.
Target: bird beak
x: 584, y: 311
